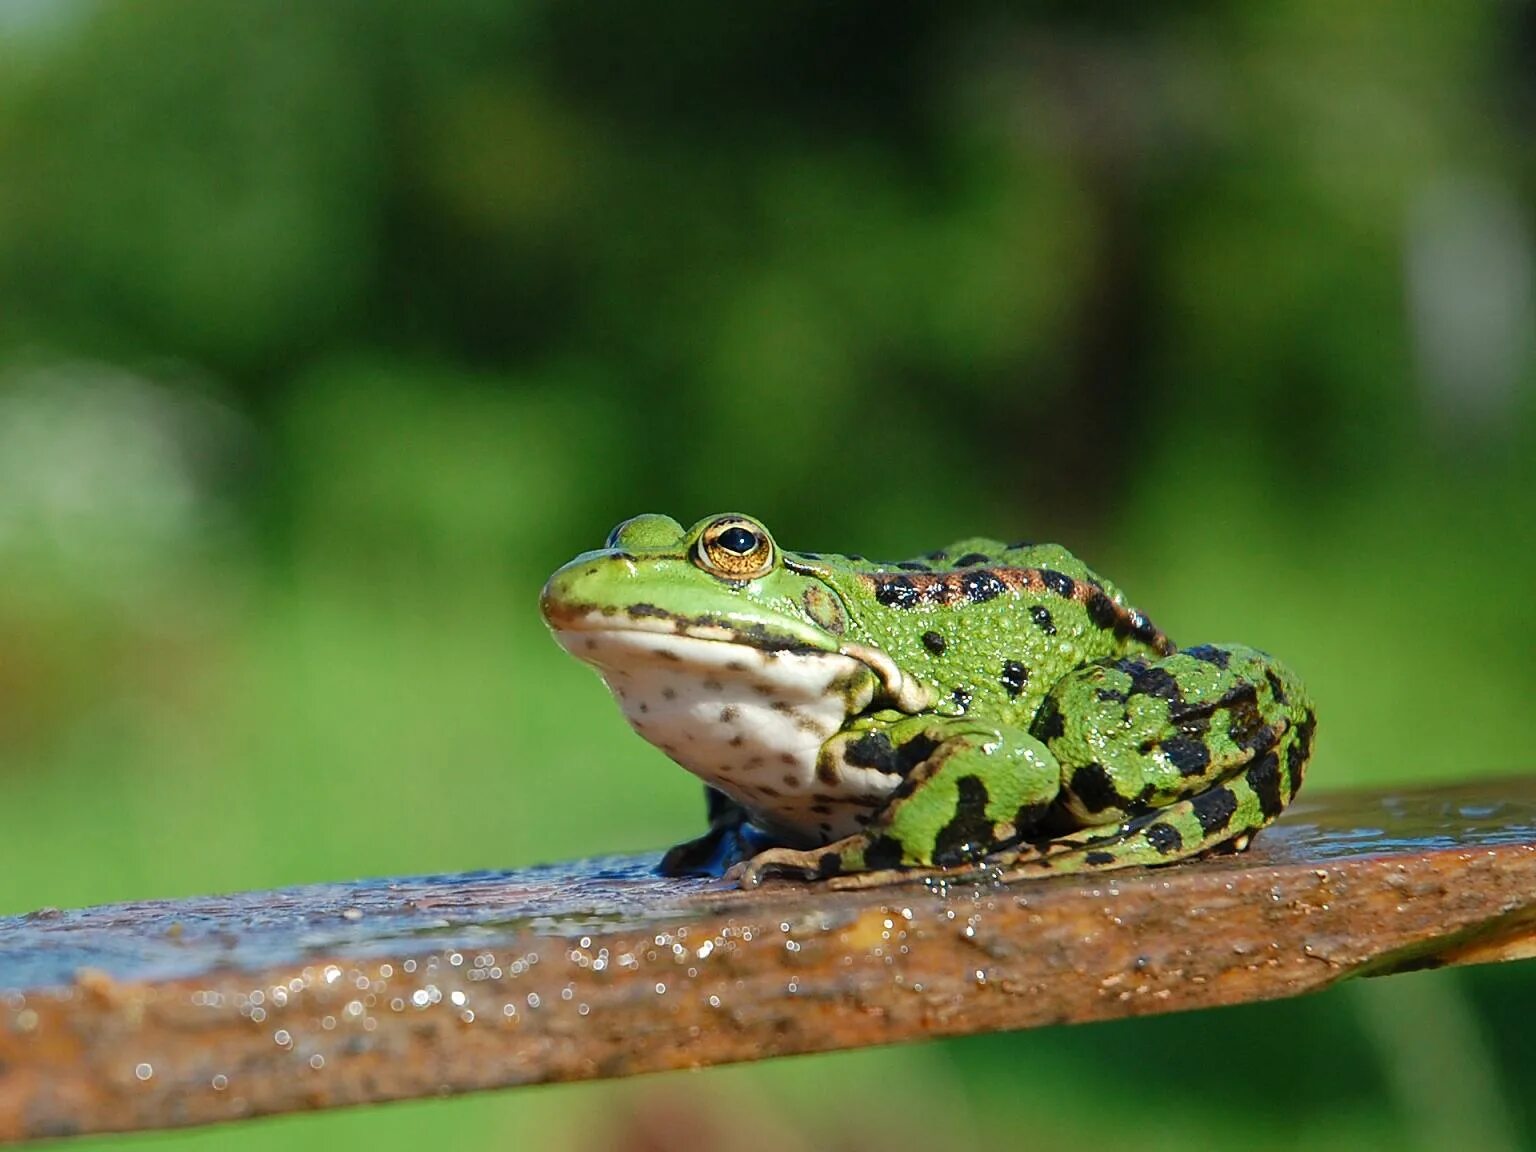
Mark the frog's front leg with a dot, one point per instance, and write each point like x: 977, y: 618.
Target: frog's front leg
x: 981, y: 787
x: 731, y: 839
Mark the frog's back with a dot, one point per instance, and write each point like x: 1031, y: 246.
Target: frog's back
x: 992, y: 623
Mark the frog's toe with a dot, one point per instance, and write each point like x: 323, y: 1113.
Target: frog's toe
x: 814, y: 864
x: 850, y: 881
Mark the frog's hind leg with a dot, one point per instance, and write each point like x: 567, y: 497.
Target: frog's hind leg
x: 1168, y: 759
x: 1223, y: 817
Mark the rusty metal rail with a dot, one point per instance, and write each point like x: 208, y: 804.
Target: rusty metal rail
x: 168, y: 1013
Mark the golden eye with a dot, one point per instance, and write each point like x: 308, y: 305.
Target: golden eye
x: 735, y: 548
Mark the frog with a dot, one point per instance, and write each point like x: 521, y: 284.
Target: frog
x: 984, y: 707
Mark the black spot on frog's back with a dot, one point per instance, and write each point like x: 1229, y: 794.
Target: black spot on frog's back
x: 897, y: 592
x: 981, y: 585
x: 1101, y: 610
x: 1059, y: 582
x: 1014, y: 677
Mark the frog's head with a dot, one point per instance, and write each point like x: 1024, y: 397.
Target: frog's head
x: 723, y: 580
x: 717, y: 620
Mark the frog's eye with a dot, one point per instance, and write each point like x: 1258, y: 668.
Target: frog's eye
x: 742, y: 541
x: 735, y: 548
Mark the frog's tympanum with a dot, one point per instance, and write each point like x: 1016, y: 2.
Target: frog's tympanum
x: 990, y: 705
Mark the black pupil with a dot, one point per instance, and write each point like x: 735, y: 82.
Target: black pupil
x: 737, y: 540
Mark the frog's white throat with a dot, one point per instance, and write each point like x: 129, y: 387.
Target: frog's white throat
x: 747, y: 721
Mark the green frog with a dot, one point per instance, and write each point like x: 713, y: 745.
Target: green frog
x: 988, y: 705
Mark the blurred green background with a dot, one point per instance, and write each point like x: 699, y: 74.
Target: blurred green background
x: 327, y: 331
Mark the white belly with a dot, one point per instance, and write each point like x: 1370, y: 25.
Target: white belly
x: 748, y: 722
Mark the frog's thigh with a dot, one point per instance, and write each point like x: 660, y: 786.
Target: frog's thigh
x: 1140, y: 733
x: 983, y: 786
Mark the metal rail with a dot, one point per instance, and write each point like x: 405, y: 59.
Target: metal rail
x: 169, y: 1013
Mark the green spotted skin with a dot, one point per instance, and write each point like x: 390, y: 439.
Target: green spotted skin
x: 987, y: 705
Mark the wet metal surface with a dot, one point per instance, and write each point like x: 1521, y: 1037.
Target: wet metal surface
x: 166, y: 1013
x: 1342, y: 825
x: 167, y: 939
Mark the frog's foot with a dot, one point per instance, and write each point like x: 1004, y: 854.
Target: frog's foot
x: 716, y: 853
x: 1052, y: 856
x: 807, y: 864
x: 978, y: 870
x: 813, y: 865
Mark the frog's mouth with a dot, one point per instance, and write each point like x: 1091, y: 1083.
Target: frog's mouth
x: 613, y: 640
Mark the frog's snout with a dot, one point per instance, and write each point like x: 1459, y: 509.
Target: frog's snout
x: 556, y: 599
x: 548, y: 598
x: 582, y: 586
